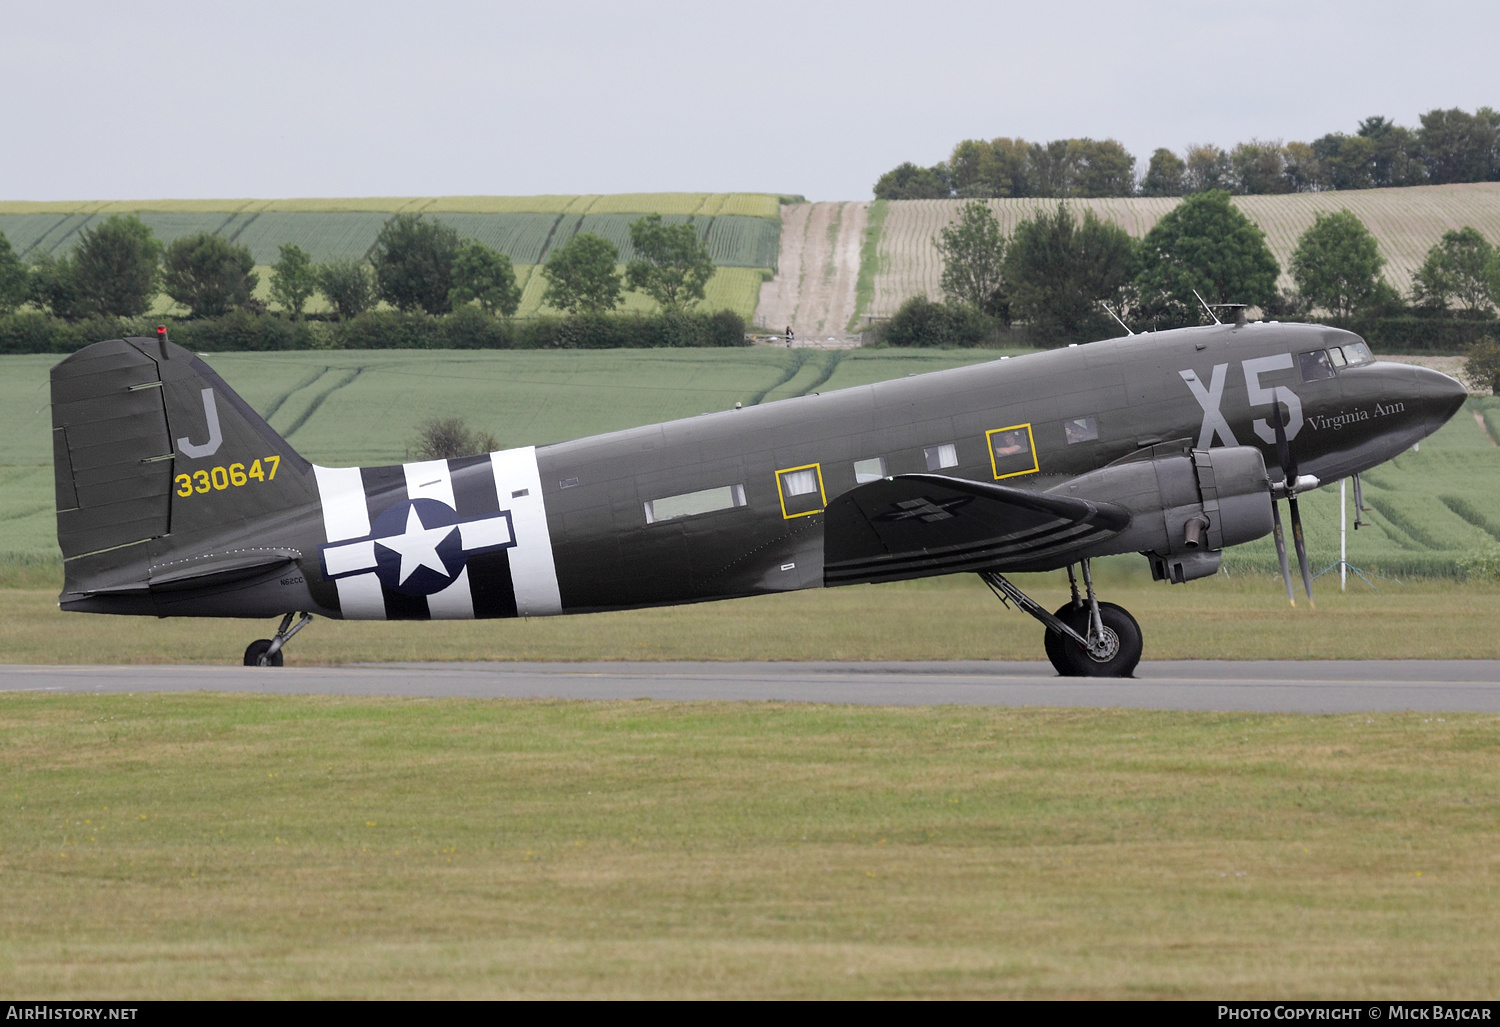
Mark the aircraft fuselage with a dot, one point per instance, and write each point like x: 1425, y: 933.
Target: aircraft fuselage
x: 733, y: 503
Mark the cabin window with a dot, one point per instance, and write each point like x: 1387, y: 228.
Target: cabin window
x: 1336, y: 355
x: 799, y: 483
x: 726, y: 497
x: 938, y: 457
x: 872, y: 469
x: 1315, y: 365
x: 801, y: 490
x: 1012, y: 450
x: 1081, y: 429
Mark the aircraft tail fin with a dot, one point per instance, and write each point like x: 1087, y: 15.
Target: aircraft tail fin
x: 152, y: 451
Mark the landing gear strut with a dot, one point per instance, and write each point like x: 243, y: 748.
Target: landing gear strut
x: 1085, y: 638
x: 266, y: 652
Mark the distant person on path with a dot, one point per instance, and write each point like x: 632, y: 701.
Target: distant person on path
x: 788, y: 335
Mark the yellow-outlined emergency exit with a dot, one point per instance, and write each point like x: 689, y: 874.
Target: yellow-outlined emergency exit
x: 1001, y: 450
x: 800, y: 499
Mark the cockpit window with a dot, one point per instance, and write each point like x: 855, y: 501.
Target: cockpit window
x: 1358, y: 353
x: 1337, y: 356
x: 1315, y: 365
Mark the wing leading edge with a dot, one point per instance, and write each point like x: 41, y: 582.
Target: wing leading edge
x: 914, y: 525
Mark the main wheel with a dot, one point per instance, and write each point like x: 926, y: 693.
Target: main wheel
x: 255, y: 650
x: 1052, y: 642
x: 1120, y: 652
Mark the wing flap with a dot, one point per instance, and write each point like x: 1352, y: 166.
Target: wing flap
x: 914, y: 525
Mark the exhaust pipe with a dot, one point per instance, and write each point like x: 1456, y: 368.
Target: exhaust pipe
x: 1192, y: 532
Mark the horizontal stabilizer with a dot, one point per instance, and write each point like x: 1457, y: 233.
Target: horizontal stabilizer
x: 221, y: 568
x: 208, y: 571
x: 920, y: 524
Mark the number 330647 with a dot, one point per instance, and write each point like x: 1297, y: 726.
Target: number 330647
x: 220, y: 478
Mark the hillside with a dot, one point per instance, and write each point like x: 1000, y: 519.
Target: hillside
x: 819, y: 267
x: 1406, y: 222
x: 741, y: 230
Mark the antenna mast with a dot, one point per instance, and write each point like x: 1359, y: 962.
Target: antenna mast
x: 1208, y: 308
x: 1110, y: 310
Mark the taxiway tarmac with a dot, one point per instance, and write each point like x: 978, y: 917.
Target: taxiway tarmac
x: 1321, y: 686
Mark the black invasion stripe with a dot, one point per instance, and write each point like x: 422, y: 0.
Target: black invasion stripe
x: 1012, y: 540
x: 385, y: 487
x: 979, y: 562
x: 490, y: 583
x: 1046, y: 534
x: 973, y: 558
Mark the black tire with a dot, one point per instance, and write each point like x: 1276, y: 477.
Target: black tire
x: 1127, y: 653
x: 255, y: 650
x: 1052, y: 642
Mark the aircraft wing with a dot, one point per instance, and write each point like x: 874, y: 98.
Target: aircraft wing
x: 916, y: 524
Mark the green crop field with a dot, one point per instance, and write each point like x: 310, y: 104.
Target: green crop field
x: 1406, y: 223
x: 1431, y: 509
x: 527, y: 238
x: 763, y: 205
x: 363, y: 408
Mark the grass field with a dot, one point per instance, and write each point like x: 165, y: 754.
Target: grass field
x: 222, y: 846
x: 1242, y: 616
x: 1406, y: 222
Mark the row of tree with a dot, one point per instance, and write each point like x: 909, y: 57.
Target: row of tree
x: 1057, y: 273
x: 1450, y: 146
x: 119, y: 267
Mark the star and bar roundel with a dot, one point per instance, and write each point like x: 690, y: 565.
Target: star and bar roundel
x: 418, y: 547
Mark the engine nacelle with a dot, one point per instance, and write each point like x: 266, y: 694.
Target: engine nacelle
x: 1184, y: 506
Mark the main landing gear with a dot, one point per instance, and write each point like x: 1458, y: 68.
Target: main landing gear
x: 266, y: 652
x: 1085, y: 638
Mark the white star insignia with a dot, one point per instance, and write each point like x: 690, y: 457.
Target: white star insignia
x: 417, y: 546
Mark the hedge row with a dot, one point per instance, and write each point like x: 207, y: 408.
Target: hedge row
x: 921, y: 322
x: 1424, y: 334
x: 469, y: 328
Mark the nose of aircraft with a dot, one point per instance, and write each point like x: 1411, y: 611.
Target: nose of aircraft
x: 1440, y: 396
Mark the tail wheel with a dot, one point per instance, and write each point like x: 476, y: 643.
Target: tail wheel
x: 1117, y: 656
x: 257, y: 649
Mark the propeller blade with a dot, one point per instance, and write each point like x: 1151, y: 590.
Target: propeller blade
x: 1286, y: 572
x: 1300, y: 543
x: 1283, y: 449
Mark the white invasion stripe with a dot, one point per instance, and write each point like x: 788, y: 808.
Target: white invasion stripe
x: 429, y: 479
x: 355, y: 556
x: 492, y: 531
x: 456, y: 602
x: 532, y: 571
x: 360, y: 597
x: 342, y: 491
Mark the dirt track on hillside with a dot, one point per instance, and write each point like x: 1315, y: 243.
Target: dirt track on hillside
x: 813, y: 290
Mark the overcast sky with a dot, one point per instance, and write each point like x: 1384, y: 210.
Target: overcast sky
x: 269, y: 99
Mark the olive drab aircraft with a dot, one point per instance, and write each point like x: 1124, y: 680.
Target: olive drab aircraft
x: 176, y: 499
